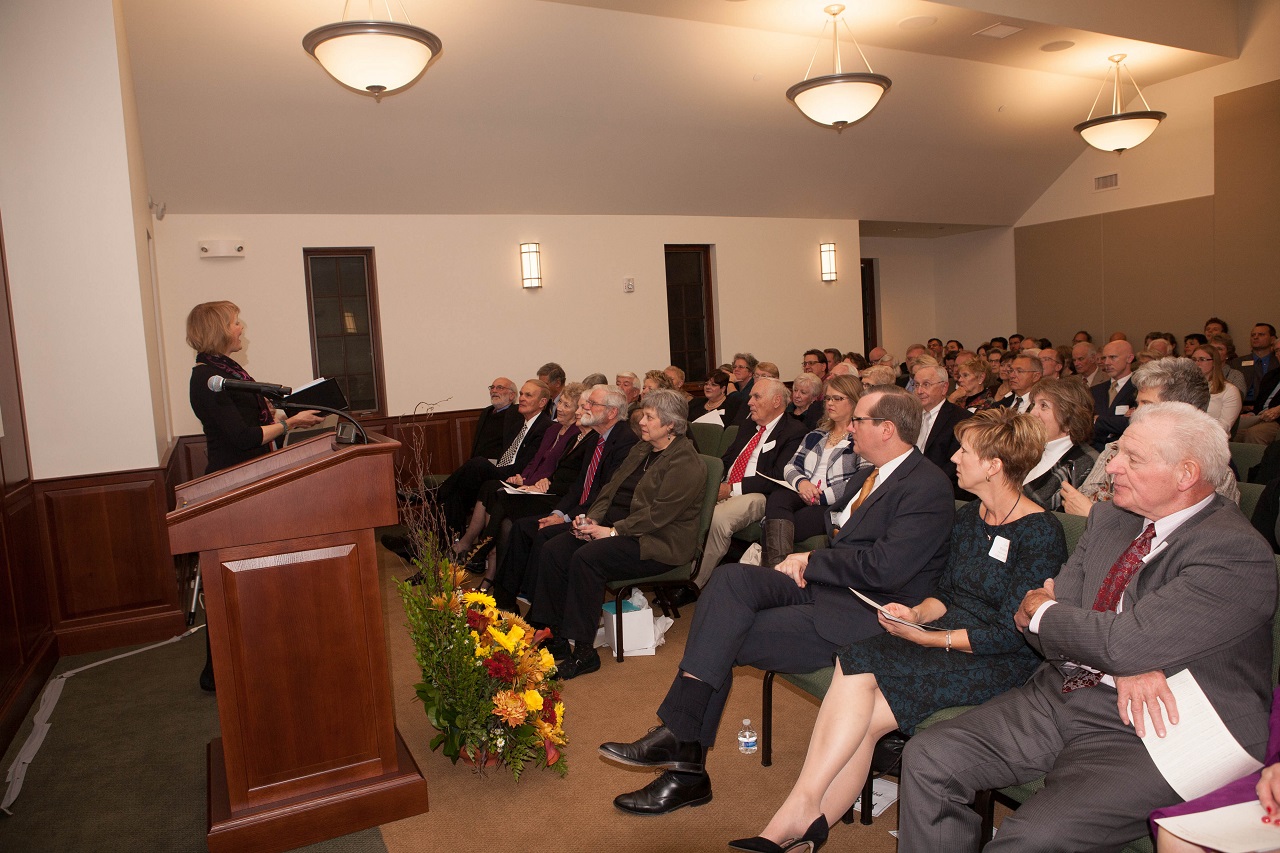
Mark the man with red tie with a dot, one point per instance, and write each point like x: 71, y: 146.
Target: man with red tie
x: 756, y: 453
x: 888, y: 539
x: 1169, y: 576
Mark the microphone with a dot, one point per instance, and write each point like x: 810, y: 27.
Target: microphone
x: 266, y: 389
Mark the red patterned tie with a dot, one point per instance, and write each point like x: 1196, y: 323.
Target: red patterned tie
x: 1109, y: 595
x: 740, y: 464
x: 591, y: 470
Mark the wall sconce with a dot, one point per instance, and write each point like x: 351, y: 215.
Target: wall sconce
x: 827, y: 253
x: 531, y: 265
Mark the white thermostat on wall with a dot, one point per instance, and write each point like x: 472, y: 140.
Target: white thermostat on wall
x: 221, y: 248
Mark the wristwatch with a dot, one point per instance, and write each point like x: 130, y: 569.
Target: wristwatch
x: 613, y: 531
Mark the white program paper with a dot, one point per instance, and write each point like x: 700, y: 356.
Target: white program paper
x: 891, y: 617
x: 779, y: 482
x: 1230, y: 829
x: 1199, y: 754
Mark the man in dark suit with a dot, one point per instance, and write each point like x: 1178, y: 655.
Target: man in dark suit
x: 759, y: 450
x: 457, y: 495
x: 1168, y: 576
x: 552, y: 374
x: 1260, y: 361
x: 491, y: 427
x: 1264, y: 426
x: 1113, y: 399
x: 937, y: 439
x: 605, y: 415
x: 889, y: 541
x: 1024, y: 371
x: 906, y: 370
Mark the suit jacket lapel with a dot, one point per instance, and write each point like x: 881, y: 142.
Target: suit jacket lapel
x: 881, y: 489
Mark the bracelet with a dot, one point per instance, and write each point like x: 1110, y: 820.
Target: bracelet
x: 948, y: 641
x: 613, y: 531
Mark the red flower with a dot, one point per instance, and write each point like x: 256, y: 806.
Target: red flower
x: 549, y: 712
x: 501, y: 667
x: 476, y: 621
x: 553, y: 754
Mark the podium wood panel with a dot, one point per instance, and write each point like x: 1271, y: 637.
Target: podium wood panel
x: 309, y: 748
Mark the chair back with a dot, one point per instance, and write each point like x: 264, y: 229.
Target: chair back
x: 706, y: 437
x: 715, y: 472
x: 1249, y: 494
x: 726, y: 438
x: 1245, y: 456
x: 1073, y: 527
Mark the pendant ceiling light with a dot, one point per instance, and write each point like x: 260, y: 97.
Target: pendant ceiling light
x: 838, y: 99
x: 1119, y: 131
x: 370, y: 55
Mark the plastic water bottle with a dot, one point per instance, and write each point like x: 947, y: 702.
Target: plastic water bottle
x: 747, y: 741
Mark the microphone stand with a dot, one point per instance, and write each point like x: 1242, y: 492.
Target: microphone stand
x: 338, y: 436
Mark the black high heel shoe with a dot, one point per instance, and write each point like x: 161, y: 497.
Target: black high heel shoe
x: 813, y: 839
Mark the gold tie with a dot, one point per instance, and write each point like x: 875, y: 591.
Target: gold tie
x: 1111, y: 394
x: 864, y: 491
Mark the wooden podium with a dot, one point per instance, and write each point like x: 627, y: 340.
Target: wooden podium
x: 309, y: 749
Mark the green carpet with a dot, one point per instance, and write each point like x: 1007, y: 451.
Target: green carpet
x: 123, y: 764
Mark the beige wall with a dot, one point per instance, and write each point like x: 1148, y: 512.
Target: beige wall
x: 953, y: 287
x: 71, y: 245
x: 454, y: 315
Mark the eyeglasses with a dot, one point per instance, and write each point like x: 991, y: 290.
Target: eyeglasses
x: 930, y: 384
x: 591, y: 404
x: 1201, y: 359
x: 501, y: 388
x: 836, y: 398
x: 860, y: 420
x: 810, y: 363
x: 1025, y: 370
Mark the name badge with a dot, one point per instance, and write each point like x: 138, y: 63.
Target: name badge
x: 1000, y: 549
x: 1248, y: 363
x: 1122, y: 410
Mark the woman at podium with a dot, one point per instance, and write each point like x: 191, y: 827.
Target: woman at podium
x: 238, y: 426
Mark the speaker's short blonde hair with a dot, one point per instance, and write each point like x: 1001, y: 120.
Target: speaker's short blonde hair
x: 209, y: 326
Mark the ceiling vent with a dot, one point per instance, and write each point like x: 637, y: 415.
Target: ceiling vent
x: 1106, y: 182
x: 999, y: 31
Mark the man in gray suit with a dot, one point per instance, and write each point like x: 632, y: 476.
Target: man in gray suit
x: 889, y: 540
x: 1168, y: 576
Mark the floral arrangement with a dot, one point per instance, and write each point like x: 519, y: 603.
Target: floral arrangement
x: 487, y: 685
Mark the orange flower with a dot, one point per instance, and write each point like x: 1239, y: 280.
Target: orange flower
x: 509, y: 707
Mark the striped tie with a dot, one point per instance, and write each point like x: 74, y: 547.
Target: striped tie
x: 591, y: 471
x: 509, y: 458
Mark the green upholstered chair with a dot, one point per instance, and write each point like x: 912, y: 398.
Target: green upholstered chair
x: 680, y: 576
x: 1245, y: 456
x: 707, y: 438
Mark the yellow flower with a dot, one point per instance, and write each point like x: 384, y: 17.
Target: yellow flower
x: 473, y: 597
x: 482, y: 650
x: 545, y: 660
x: 509, y: 707
x: 507, y: 640
x: 533, y: 700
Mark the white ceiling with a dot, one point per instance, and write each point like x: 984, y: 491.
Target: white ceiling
x: 641, y: 106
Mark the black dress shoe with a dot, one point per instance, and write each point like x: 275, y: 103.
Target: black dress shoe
x: 659, y: 748
x: 814, y: 837
x: 582, y: 663
x: 560, y: 649
x: 668, y: 792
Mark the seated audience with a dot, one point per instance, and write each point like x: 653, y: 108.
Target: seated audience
x: 457, y: 494
x: 492, y: 433
x: 544, y: 480
x: 1224, y: 398
x: 1222, y: 343
x: 742, y: 371
x: 1164, y: 381
x: 1145, y: 356
x: 1192, y: 341
x: 973, y: 391
x: 1024, y: 371
x: 1215, y: 326
x: 714, y: 407
x: 645, y: 522
x: 834, y: 357
x: 1257, y: 364
x: 937, y: 439
x: 823, y: 463
x: 552, y: 374
x: 1261, y: 427
x: 1066, y: 360
x: 676, y: 375
x: 1262, y: 786
x: 1066, y: 410
x: 629, y: 383
x: 896, y: 679
x: 755, y: 455
x: 915, y: 352
x: 1050, y: 364
x: 1163, y: 344
x: 936, y: 349
x: 879, y: 374
x: 1081, y: 336
x: 1084, y: 358
x: 766, y: 370
x: 593, y: 379
x: 815, y: 362
x: 607, y: 445
x: 1003, y: 389
x: 1113, y: 400
x: 889, y: 540
x: 655, y: 380
x: 1203, y: 601
x: 806, y: 400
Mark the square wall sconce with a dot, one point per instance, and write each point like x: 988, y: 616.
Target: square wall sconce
x: 827, y: 254
x: 530, y: 265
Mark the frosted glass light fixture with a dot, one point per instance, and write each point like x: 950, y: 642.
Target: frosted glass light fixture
x: 827, y: 255
x: 531, y: 265
x: 1119, y: 131
x: 372, y: 56
x: 841, y: 98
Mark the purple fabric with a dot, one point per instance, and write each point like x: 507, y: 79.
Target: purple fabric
x: 549, y: 452
x: 1233, y: 793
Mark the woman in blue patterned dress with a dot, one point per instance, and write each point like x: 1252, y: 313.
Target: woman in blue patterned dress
x: 1002, y: 545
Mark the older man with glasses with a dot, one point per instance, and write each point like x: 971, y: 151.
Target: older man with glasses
x: 1024, y: 373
